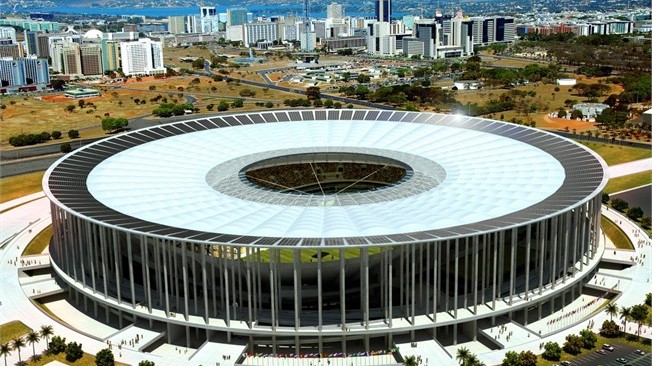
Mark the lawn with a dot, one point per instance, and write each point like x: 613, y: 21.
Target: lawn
x: 628, y: 181
x: 617, y: 154
x: 20, y: 185
x: 11, y: 330
x: 614, y: 233
x: 40, y: 242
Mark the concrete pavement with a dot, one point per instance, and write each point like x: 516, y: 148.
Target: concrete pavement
x: 631, y: 167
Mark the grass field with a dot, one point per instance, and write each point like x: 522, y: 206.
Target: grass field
x: 40, y: 242
x: 20, y: 185
x: 628, y: 181
x: 614, y: 233
x: 616, y: 154
x: 11, y: 330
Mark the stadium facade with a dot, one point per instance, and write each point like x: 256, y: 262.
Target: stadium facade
x: 415, y: 223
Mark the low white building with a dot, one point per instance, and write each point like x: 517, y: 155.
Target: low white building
x: 566, y: 82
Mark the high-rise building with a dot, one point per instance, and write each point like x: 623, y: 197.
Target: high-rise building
x: 255, y: 32
x: 66, y: 58
x: 31, y: 42
x: 142, y: 57
x: 208, y: 19
x: 335, y: 12
x: 176, y: 24
x: 13, y: 50
x: 110, y: 55
x: 236, y: 16
x: 11, y: 74
x: 384, y: 10
x: 8, y: 33
x: 91, y: 59
x: 36, y: 70
x: 427, y: 32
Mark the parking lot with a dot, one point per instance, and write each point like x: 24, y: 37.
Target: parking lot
x: 609, y: 359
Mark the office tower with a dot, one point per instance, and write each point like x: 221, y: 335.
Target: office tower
x: 142, y: 57
x: 31, y: 42
x: 11, y: 74
x: 334, y: 11
x: 91, y: 59
x: 110, y: 55
x: 427, y: 32
x: 208, y: 19
x: 66, y: 58
x: 36, y: 70
x: 383, y: 10
x: 8, y: 33
x: 255, y: 32
x: 192, y: 24
x: 236, y: 16
x: 176, y: 24
x: 13, y: 50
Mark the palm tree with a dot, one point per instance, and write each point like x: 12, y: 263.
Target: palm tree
x: 17, y: 344
x: 5, y: 350
x: 463, y: 355
x: 612, y: 310
x: 473, y: 360
x: 46, y: 332
x: 410, y: 361
x: 32, y: 337
x: 625, y: 313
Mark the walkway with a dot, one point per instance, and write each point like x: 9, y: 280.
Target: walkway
x: 631, y: 167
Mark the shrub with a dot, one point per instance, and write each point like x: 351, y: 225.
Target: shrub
x: 57, y: 345
x: 573, y: 344
x: 66, y: 148
x: 552, y: 351
x: 105, y: 358
x: 73, y: 134
x: 56, y: 135
x: 114, y: 124
x: 610, y: 329
x: 238, y: 103
x: 223, y: 106
x: 74, y: 352
x: 619, y: 204
x: 646, y: 222
x: 269, y: 104
x: 588, y: 338
x: 246, y: 92
x: 146, y: 363
x: 634, y: 213
x: 605, y: 197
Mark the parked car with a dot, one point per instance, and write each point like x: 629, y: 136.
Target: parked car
x: 639, y: 352
x: 601, y: 351
x: 621, y: 360
x: 608, y: 347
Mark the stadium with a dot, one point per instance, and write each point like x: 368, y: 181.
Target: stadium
x: 326, y: 230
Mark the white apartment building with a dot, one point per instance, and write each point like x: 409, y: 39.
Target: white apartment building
x: 142, y: 57
x: 255, y: 32
x: 8, y: 33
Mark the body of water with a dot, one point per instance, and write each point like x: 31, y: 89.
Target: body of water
x: 258, y: 10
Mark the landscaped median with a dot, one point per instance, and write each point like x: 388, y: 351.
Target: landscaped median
x: 615, y: 234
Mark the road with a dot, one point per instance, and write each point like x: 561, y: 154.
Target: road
x: 609, y: 359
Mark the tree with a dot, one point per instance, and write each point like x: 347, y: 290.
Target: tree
x: 46, y: 330
x: 410, y: 361
x: 32, y: 337
x: 648, y: 299
x: 552, y: 351
x: 646, y: 222
x: 105, y: 358
x: 73, y: 134
x: 146, y: 363
x: 619, y: 204
x: 223, y: 106
x: 605, y: 197
x: 634, y: 213
x: 625, y: 314
x: 588, y: 338
x: 362, y: 78
x: 611, y: 309
x: 56, y: 135
x: 198, y: 63
x: 18, y: 343
x: 65, y: 148
x: 511, y: 359
x: 609, y: 329
x: 576, y: 113
x: 328, y: 103
x: 246, y: 92
x: 639, y: 315
x: 238, y: 103
x: 337, y: 105
x: 313, y: 93
x: 5, y: 350
x: 562, y: 113
x: 462, y: 355
x: 573, y: 344
x: 269, y: 105
x: 528, y: 358
x: 57, y: 345
x: 114, y: 124
x: 74, y: 351
x: 70, y: 108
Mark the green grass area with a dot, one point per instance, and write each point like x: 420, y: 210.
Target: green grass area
x: 638, y: 344
x: 20, y: 185
x: 11, y: 330
x: 310, y: 255
x: 628, y: 181
x: 40, y: 242
x: 614, y: 233
x: 616, y: 154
